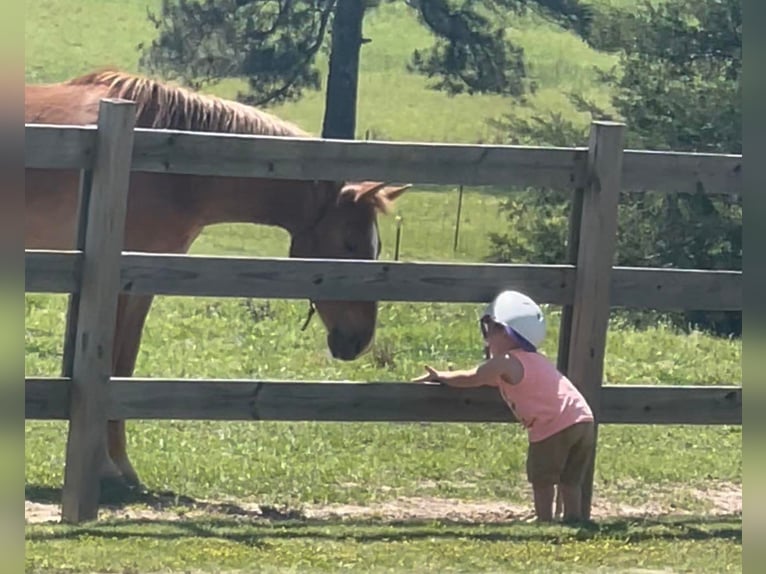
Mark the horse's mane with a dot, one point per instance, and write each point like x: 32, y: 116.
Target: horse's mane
x: 163, y: 106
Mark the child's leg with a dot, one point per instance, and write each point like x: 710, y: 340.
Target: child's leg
x: 574, y: 471
x: 543, y: 494
x: 572, y: 495
x: 557, y: 512
x: 545, y: 462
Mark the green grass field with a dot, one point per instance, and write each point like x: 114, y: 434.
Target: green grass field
x: 294, y: 466
x: 226, y: 545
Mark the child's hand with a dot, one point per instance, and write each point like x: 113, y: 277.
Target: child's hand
x: 432, y: 376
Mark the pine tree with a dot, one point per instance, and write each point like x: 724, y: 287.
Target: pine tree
x: 274, y: 44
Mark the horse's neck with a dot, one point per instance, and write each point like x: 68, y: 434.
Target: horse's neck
x: 291, y: 205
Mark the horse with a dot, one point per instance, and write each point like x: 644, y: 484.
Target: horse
x: 167, y: 212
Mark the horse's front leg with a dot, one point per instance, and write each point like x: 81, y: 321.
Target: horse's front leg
x: 131, y: 316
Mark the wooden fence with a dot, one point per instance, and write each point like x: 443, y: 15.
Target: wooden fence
x: 587, y: 285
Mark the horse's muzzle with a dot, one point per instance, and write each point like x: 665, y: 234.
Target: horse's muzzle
x: 346, y: 347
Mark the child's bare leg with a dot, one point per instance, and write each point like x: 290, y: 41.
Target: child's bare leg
x: 557, y: 512
x: 572, y: 496
x: 544, y: 493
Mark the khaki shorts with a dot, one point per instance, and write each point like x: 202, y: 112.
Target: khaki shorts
x: 562, y: 458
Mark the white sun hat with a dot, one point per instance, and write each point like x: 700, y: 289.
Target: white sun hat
x: 521, y: 317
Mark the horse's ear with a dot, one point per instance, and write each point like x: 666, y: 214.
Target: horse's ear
x: 364, y: 190
x: 376, y: 193
x: 368, y: 189
x: 391, y: 193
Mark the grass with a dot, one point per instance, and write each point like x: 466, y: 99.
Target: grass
x: 228, y: 545
x: 302, y: 463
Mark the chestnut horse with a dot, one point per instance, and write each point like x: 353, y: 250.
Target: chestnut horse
x: 166, y: 212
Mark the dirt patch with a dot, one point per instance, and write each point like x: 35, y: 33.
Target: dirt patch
x: 716, y: 499
x: 35, y: 512
x: 724, y: 497
x: 424, y: 508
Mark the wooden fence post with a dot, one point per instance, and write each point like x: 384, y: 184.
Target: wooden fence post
x: 595, y: 255
x: 97, y: 309
x: 70, y: 332
x: 573, y: 244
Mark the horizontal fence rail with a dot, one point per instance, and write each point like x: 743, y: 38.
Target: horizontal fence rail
x: 168, y: 151
x: 137, y: 398
x: 59, y: 146
x: 284, y: 278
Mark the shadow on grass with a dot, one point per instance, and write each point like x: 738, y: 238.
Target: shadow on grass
x: 42, y: 494
x: 113, y: 493
x: 259, y: 532
x: 116, y: 496
x: 254, y: 534
x: 233, y: 522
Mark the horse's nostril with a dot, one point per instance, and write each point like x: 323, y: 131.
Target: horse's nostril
x: 345, y: 346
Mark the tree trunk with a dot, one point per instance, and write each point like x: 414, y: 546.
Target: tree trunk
x: 343, y: 76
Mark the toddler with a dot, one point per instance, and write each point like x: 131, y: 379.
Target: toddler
x: 558, y: 419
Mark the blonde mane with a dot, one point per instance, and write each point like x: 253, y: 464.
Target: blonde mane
x: 165, y: 106
x: 162, y: 106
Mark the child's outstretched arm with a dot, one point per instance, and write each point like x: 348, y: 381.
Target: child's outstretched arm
x: 506, y: 368
x: 465, y: 378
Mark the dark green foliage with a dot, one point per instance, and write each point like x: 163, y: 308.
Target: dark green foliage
x: 274, y: 43
x: 571, y: 14
x: 678, y: 87
x: 271, y: 43
x: 471, y: 54
x: 680, y: 79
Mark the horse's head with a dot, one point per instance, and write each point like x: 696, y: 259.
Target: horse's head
x: 346, y: 228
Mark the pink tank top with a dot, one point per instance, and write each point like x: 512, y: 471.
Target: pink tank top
x: 545, y: 401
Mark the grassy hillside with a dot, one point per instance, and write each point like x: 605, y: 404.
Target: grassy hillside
x: 67, y: 38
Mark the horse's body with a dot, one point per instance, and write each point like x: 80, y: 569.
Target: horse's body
x: 167, y: 212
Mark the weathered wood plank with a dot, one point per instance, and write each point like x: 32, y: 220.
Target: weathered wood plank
x: 70, y: 330
x: 428, y: 282
x: 57, y: 146
x: 674, y: 172
x: 52, y: 271
x: 670, y: 404
x: 189, y: 399
x: 598, y: 238
x: 638, y: 287
x: 427, y: 163
x: 336, y: 279
x: 166, y: 151
x: 47, y: 398
x: 676, y: 289
x: 313, y: 158
x: 565, y: 326
x: 96, y: 313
